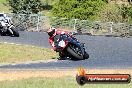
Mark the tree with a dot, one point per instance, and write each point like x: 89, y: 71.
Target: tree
x: 130, y: 14
x: 78, y: 9
x: 130, y: 1
x: 111, y: 13
x: 106, y: 1
x: 25, y: 6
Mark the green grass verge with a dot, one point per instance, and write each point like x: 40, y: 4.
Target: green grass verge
x: 20, y: 53
x: 64, y: 82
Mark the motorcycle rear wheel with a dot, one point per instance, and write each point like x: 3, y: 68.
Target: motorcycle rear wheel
x: 2, y: 32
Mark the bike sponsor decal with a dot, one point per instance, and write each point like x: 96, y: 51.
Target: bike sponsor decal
x: 83, y: 78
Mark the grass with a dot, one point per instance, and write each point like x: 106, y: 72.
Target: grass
x: 63, y: 82
x: 10, y: 53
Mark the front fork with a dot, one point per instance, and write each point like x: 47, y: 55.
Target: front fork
x: 10, y: 29
x: 82, y: 48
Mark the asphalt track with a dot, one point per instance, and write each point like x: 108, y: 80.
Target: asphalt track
x: 105, y: 52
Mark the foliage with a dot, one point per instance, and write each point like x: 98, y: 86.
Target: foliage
x: 130, y: 1
x: 110, y: 13
x: 2, y: 1
x: 70, y: 23
x: 78, y: 9
x: 130, y: 14
x: 25, y: 6
x: 106, y: 1
x: 115, y: 13
x: 124, y: 12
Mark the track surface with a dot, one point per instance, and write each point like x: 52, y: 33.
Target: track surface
x: 105, y: 52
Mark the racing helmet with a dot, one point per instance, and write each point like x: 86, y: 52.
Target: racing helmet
x: 51, y: 31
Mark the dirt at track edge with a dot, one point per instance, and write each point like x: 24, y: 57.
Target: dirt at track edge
x: 24, y: 74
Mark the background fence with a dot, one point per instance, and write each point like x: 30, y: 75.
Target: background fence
x: 37, y: 22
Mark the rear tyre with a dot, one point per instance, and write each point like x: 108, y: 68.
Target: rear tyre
x: 73, y: 54
x: 15, y: 32
x: 2, y: 33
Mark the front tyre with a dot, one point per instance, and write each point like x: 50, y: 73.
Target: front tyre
x: 74, y: 54
x: 15, y: 32
x: 86, y: 55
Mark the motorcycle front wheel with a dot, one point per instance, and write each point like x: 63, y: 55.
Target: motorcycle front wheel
x: 15, y: 32
x: 86, y: 55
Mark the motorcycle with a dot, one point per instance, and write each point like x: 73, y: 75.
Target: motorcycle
x: 69, y: 46
x: 7, y: 28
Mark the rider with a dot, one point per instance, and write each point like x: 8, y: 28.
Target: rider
x: 52, y: 32
x: 54, y: 35
x: 5, y: 20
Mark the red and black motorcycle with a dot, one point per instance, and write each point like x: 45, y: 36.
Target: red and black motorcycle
x: 69, y: 46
